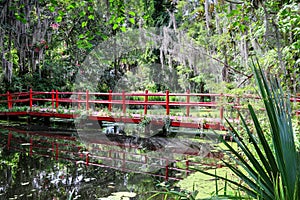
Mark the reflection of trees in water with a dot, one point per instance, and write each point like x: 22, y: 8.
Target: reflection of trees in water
x: 42, y: 177
x: 35, y: 177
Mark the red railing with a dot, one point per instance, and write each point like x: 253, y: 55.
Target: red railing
x: 84, y: 100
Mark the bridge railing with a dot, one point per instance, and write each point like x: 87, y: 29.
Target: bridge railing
x: 86, y: 100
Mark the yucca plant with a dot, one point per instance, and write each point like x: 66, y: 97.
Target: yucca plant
x: 269, y: 167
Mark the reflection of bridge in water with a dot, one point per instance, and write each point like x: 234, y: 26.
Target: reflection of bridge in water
x: 131, y: 107
x: 169, y: 159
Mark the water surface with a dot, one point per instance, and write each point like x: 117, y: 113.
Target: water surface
x: 45, y: 165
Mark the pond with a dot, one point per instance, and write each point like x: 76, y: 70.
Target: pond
x: 39, y: 162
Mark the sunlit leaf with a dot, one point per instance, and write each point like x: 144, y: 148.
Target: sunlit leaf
x: 51, y: 8
x: 131, y: 13
x: 58, y: 19
x: 82, y: 13
x: 90, y: 8
x: 115, y: 26
x: 132, y: 20
x: 84, y: 24
x: 91, y: 17
x: 120, y: 19
x: 123, y: 28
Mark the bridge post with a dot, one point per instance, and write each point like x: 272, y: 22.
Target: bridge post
x: 167, y: 103
x: 87, y: 159
x: 222, y: 113
x: 9, y: 100
x: 52, y: 98
x: 188, y: 101
x: 30, y: 98
x: 221, y: 108
x: 110, y: 100
x: 79, y: 99
x: 146, y: 100
x: 123, y: 102
x: 87, y: 100
x: 56, y: 103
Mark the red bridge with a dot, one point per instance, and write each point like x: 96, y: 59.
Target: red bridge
x: 117, y: 107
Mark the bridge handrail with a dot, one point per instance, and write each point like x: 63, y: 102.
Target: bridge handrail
x: 86, y: 98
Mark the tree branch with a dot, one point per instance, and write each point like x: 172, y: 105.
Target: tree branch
x: 250, y: 76
x: 226, y: 65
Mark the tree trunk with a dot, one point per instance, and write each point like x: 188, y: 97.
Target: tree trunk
x: 207, y: 15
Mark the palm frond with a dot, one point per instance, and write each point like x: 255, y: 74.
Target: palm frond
x: 279, y: 114
x: 269, y: 168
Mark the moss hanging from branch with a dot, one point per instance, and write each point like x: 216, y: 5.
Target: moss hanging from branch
x: 25, y: 30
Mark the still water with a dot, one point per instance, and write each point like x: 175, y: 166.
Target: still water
x: 57, y: 162
x: 43, y: 165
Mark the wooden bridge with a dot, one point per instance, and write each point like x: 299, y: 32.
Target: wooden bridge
x: 131, y: 107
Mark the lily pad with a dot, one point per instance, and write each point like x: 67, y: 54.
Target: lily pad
x: 120, y: 195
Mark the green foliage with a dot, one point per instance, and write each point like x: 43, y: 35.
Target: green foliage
x: 269, y: 167
x: 60, y: 37
x: 289, y: 26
